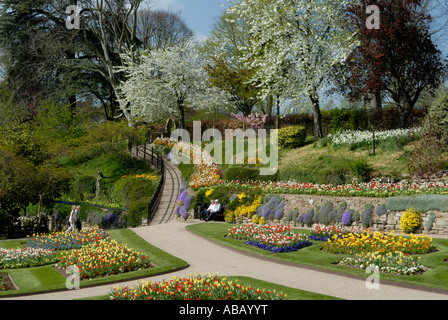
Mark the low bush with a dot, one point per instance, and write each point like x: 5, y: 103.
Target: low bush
x: 83, y: 187
x: 307, y: 218
x: 241, y: 173
x: 366, y: 215
x: 291, y: 137
x: 272, y: 208
x: 410, y: 220
x: 347, y: 217
x: 361, y: 169
x: 135, y: 193
x: 421, y: 202
x: 324, y: 215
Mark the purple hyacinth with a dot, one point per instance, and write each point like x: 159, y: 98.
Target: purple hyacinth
x: 279, y: 211
x: 183, y: 203
x: 346, y: 218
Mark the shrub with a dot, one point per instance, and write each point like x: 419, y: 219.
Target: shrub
x: 183, y: 203
x: 422, y: 202
x: 136, y: 194
x: 83, y: 186
x: 292, y: 215
x: 410, y: 220
x: 429, y: 152
x: 325, y: 214
x: 338, y: 215
x: 366, y: 215
x: 381, y: 210
x: 361, y: 169
x: 291, y: 137
x: 242, y: 173
x: 137, y: 210
x: 272, y: 208
x: 346, y: 218
x: 355, y: 217
x: 243, y: 206
x: 129, y: 189
x: 431, y: 219
x: 308, y: 217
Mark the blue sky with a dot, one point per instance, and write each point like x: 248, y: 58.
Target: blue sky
x: 200, y: 15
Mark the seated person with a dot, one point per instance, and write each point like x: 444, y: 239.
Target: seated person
x: 218, y: 206
x: 207, y: 213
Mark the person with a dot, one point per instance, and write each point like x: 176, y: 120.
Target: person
x: 207, y: 213
x: 71, y: 220
x: 77, y: 218
x: 218, y: 206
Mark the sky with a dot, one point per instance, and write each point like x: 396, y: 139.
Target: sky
x: 199, y: 15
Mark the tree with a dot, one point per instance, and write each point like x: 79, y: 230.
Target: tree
x: 225, y: 47
x: 158, y: 29
x: 164, y: 82
x: 42, y: 59
x: 294, y: 45
x: 398, y: 60
x: 235, y: 81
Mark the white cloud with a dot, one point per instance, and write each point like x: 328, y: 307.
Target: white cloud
x: 201, y: 37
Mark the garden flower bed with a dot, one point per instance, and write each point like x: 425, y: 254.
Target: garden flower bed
x: 383, y: 243
x: 388, y: 252
x: 25, y: 258
x: 323, y: 233
x: 392, y: 262
x: 271, y: 238
x: 373, y: 189
x: 148, y: 176
x: 5, y: 283
x: 193, y: 287
x: 67, y: 240
x: 206, y: 172
x: 357, y: 137
x: 105, y: 257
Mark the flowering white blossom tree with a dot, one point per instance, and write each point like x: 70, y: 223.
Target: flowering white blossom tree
x: 294, y: 44
x: 163, y: 82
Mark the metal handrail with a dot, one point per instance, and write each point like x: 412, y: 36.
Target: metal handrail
x: 148, y: 154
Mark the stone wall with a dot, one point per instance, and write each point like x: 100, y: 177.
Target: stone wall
x: 387, y: 222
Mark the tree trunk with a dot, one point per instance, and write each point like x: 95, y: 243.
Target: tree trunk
x: 317, y: 116
x: 180, y: 105
x: 277, y: 118
x: 73, y: 104
x: 376, y: 102
x: 405, y: 112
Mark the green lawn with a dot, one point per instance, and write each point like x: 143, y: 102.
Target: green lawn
x: 313, y: 256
